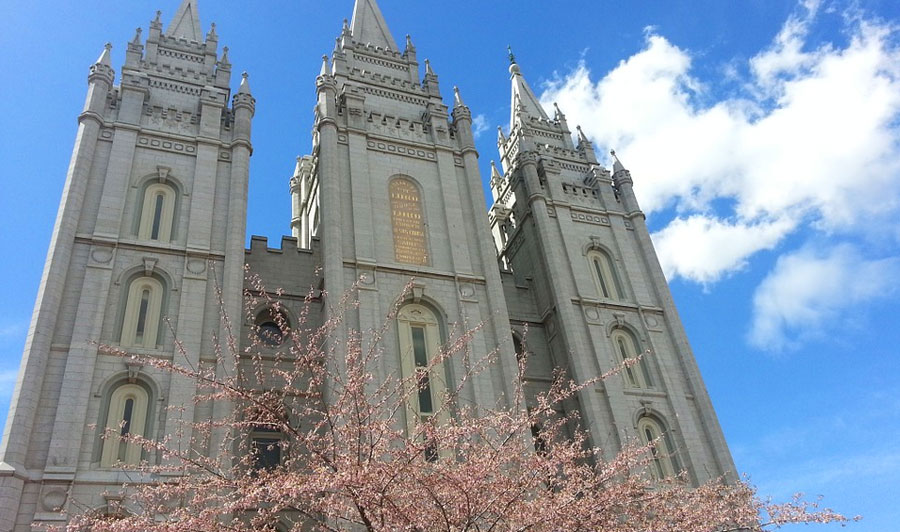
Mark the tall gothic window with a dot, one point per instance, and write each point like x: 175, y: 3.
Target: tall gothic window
x: 662, y: 446
x: 157, y: 213
x: 127, y: 416
x: 625, y: 345
x: 143, y: 307
x: 420, y: 339
x: 605, y: 277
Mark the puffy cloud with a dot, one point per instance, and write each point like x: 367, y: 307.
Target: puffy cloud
x: 813, y: 142
x: 808, y: 288
x: 704, y: 248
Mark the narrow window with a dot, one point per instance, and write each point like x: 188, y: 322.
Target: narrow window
x: 143, y: 308
x: 605, y: 277
x: 637, y: 376
x: 664, y: 463
x: 157, y: 217
x: 419, y: 334
x: 157, y: 213
x: 127, y: 417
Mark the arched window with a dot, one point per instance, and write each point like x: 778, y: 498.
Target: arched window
x: 420, y: 340
x: 157, y: 213
x: 143, y: 307
x: 605, y: 277
x: 637, y: 376
x: 662, y: 446
x: 127, y: 416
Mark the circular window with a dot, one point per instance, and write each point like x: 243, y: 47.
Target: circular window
x: 270, y: 333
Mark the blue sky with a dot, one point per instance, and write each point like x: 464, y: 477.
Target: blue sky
x: 764, y: 141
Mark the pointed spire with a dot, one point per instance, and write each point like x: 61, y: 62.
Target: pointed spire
x: 224, y: 59
x: 156, y: 23
x: 523, y: 99
x: 428, y: 70
x: 104, y: 58
x: 137, y: 36
x: 245, y: 84
x: 501, y: 138
x: 617, y: 164
x: 495, y: 173
x: 457, y: 99
x: 324, y: 71
x: 559, y: 114
x: 409, y: 43
x: 368, y: 25
x: 211, y: 36
x: 345, y: 29
x: 582, y: 138
x: 186, y: 22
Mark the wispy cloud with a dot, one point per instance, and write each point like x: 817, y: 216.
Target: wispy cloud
x: 479, y: 125
x: 808, y: 288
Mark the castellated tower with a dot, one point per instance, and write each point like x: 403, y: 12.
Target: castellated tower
x: 586, y: 281
x: 151, y: 222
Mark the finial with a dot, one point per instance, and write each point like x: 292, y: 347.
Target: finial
x: 501, y: 138
x: 325, y: 70
x: 137, y: 36
x: 513, y: 66
x: 428, y: 69
x: 158, y: 14
x: 212, y: 31
x: 409, y: 44
x: 611, y: 152
x: 224, y: 54
x: 617, y: 164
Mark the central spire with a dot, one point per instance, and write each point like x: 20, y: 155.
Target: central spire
x: 368, y: 25
x: 186, y: 22
x: 523, y: 99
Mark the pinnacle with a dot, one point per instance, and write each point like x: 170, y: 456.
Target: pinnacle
x: 104, y: 58
x: 245, y: 84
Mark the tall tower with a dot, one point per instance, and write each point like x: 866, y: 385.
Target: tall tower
x: 151, y: 223
x: 593, y: 292
x: 393, y: 192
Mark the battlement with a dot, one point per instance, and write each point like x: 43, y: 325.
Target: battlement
x: 260, y: 245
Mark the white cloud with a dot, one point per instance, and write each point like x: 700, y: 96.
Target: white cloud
x: 479, y: 125
x: 813, y: 144
x: 807, y: 289
x: 703, y: 248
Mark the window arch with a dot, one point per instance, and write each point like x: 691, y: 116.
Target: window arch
x: 143, y: 308
x: 604, y: 273
x: 625, y: 345
x: 664, y: 462
x: 420, y: 340
x: 157, y: 213
x: 127, y: 415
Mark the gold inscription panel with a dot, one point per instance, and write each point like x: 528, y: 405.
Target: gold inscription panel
x: 408, y: 222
